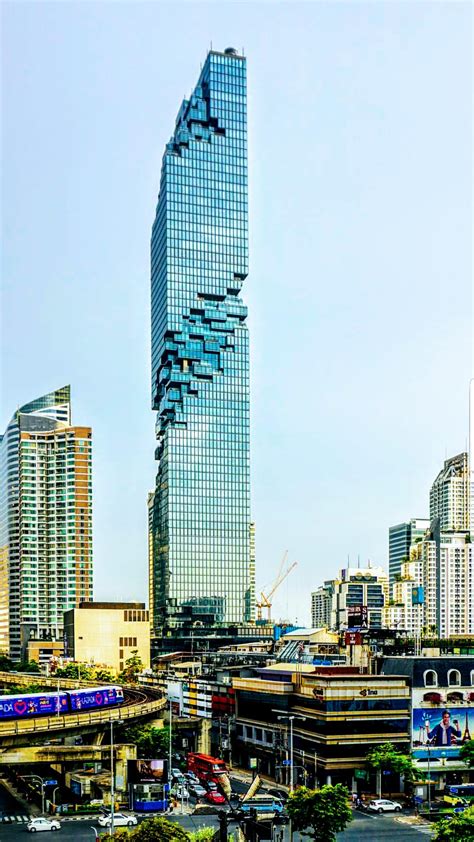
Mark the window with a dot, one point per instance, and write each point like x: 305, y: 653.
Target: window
x: 454, y: 678
x: 430, y: 678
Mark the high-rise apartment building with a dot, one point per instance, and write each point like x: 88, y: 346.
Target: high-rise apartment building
x: 449, y: 495
x: 45, y: 521
x: 448, y: 582
x: 321, y: 606
x: 400, y: 539
x: 202, y: 569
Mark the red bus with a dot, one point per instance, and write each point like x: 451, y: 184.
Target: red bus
x: 208, y: 768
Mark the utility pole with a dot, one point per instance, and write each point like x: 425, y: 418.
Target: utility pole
x: 112, y: 779
x: 290, y: 717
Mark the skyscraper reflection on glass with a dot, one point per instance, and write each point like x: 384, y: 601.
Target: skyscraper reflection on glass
x: 201, y: 572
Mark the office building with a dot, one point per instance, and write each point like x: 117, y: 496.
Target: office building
x: 449, y: 495
x: 359, y: 597
x: 339, y: 715
x: 400, y: 539
x: 321, y: 606
x: 201, y: 572
x: 107, y: 633
x: 45, y: 521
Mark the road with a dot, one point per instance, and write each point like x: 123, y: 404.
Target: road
x: 362, y: 829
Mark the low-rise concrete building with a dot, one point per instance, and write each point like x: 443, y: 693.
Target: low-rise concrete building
x: 339, y: 715
x: 107, y: 633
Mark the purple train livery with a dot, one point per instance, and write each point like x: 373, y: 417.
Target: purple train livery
x: 95, y: 697
x: 33, y: 704
x: 70, y: 701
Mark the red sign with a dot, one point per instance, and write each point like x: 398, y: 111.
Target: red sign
x: 353, y: 639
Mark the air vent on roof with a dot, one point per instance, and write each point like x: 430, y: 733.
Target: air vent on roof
x: 230, y: 51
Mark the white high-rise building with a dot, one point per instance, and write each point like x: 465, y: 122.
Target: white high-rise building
x: 321, y: 606
x: 448, y: 580
x: 449, y: 495
x: 404, y: 611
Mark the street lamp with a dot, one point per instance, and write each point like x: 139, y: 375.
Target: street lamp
x: 54, y: 797
x: 41, y: 780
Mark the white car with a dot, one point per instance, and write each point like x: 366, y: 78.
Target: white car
x: 36, y: 825
x: 120, y: 820
x: 383, y: 805
x: 180, y: 791
x: 197, y: 790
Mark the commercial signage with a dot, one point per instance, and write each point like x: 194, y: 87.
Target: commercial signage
x: 442, y: 721
x: 148, y: 771
x: 357, y: 616
x: 353, y: 639
x: 417, y: 596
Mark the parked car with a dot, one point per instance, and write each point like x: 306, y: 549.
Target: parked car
x: 383, y: 805
x: 197, y: 790
x: 120, y: 820
x: 215, y: 797
x: 41, y: 823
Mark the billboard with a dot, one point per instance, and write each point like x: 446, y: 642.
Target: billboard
x: 357, y: 616
x: 148, y: 771
x: 441, y: 721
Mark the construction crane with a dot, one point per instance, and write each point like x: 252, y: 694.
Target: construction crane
x: 265, y: 599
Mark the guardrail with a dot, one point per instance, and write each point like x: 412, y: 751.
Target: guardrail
x: 131, y: 710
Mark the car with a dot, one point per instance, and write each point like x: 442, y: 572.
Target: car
x: 176, y: 773
x: 383, y: 805
x: 197, y: 790
x: 42, y: 823
x: 212, y: 787
x: 192, y: 778
x: 120, y: 820
x: 215, y: 797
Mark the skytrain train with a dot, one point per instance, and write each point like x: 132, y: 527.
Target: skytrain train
x: 66, y: 701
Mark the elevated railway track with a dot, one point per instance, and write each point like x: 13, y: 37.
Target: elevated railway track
x: 137, y: 704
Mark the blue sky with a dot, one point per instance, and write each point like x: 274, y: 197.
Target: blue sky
x: 359, y: 292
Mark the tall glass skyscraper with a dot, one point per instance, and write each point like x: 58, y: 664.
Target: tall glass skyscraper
x: 201, y: 571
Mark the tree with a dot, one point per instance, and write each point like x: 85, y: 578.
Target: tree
x: 387, y: 758
x: 458, y: 828
x: 320, y: 813
x: 159, y: 830
x: 466, y: 753
x: 27, y: 666
x: 150, y: 741
x: 6, y: 665
x: 133, y: 668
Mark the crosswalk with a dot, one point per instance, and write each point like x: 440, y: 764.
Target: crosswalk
x: 14, y: 819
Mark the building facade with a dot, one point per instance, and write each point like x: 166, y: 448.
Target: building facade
x: 321, y: 606
x: 449, y: 495
x: 201, y: 571
x: 107, y: 633
x: 340, y: 714
x: 448, y: 582
x: 359, y: 598
x: 440, y: 686
x: 400, y: 539
x: 45, y: 521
